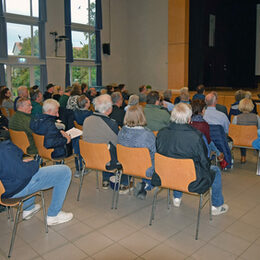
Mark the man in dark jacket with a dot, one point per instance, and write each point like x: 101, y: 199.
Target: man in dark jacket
x: 118, y: 113
x: 180, y: 140
x: 23, y: 177
x: 45, y: 124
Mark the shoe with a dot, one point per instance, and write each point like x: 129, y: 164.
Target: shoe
x: 62, y: 217
x: 176, y: 202
x: 123, y: 189
x: 243, y: 159
x: 77, y: 173
x: 27, y: 214
x: 139, y: 187
x: 105, y: 185
x: 142, y: 195
x: 219, y: 210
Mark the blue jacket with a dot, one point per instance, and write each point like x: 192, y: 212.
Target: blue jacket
x: 80, y: 115
x: 14, y: 173
x: 43, y: 124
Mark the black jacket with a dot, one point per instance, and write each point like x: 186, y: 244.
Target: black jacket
x: 185, y: 142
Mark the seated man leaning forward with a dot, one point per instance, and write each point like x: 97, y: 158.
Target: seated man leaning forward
x: 99, y: 128
x: 180, y: 140
x: 20, y: 121
x: 25, y: 178
x: 44, y: 124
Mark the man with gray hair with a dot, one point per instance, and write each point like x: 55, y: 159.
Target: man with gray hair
x: 118, y: 112
x: 181, y: 141
x: 213, y: 116
x: 99, y: 128
x: 22, y: 91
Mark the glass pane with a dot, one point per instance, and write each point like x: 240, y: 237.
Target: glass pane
x: 18, y: 7
x: 19, y: 39
x: 80, y: 44
x: 37, y: 78
x: 19, y: 76
x: 79, y: 11
x: 35, y: 8
x: 93, y: 46
x: 92, y: 13
x: 80, y: 74
x: 93, y: 76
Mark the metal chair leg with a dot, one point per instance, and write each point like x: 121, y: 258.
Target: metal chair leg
x: 154, y: 205
x: 168, y: 199
x: 44, y: 211
x: 258, y: 164
x: 198, y: 219
x: 97, y: 181
x: 15, y: 228
x: 81, y: 181
x: 210, y: 204
x: 119, y: 175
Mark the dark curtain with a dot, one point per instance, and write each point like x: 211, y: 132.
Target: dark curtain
x: 3, y: 44
x: 2, y: 75
x: 67, y: 76
x: 98, y: 42
x: 69, y: 51
x: 43, y: 78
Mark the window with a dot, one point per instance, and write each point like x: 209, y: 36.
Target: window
x: 83, y: 68
x: 22, y: 7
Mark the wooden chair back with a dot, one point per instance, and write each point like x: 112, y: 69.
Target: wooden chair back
x: 11, y: 112
x: 42, y: 151
x: 243, y: 135
x: 142, y: 104
x: 155, y: 133
x: 135, y: 161
x: 175, y: 174
x: 96, y: 156
x: 20, y: 139
x: 80, y: 127
x: 4, y: 112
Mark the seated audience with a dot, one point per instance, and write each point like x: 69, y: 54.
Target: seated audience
x: 20, y: 121
x: 134, y: 134
x: 25, y: 177
x: 57, y: 93
x: 4, y: 133
x: 64, y: 98
x: 45, y: 124
x: 220, y: 107
x: 180, y: 140
x: 91, y: 94
x: 247, y: 117
x: 200, y: 92
x: 248, y: 94
x: 49, y: 90
x: 156, y: 116
x: 22, y: 91
x: 184, y: 92
x: 132, y: 101
x: 84, y: 88
x: 110, y: 89
x: 36, y: 99
x: 124, y: 92
x: 167, y: 96
x: 142, y: 93
x: 118, y: 113
x: 99, y: 128
x: 74, y: 95
x: 212, y: 115
x: 239, y: 95
x: 6, y: 101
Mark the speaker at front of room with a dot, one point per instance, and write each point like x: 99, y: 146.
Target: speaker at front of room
x: 106, y: 48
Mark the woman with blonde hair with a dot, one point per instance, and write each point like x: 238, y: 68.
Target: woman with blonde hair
x: 135, y: 134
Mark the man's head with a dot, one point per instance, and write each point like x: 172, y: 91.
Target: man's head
x: 50, y: 87
x: 153, y: 98
x: 83, y: 102
x: 117, y: 99
x: 22, y: 91
x: 167, y: 94
x: 211, y: 100
x: 51, y: 107
x: 181, y: 113
x: 103, y: 104
x: 184, y: 94
x: 36, y: 96
x: 24, y: 105
x: 142, y: 89
x: 200, y: 89
x: 240, y: 94
x: 93, y: 92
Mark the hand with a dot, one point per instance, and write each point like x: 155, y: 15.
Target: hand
x: 221, y: 157
x: 64, y: 134
x: 27, y: 159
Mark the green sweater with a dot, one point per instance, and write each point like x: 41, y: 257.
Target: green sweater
x: 36, y: 108
x: 20, y: 121
x: 156, y: 117
x: 63, y: 100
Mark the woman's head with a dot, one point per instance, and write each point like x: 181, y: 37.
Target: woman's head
x: 198, y: 105
x: 246, y: 105
x: 135, y: 116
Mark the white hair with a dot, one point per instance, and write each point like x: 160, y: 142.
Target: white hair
x: 102, y: 103
x: 50, y: 105
x: 181, y: 113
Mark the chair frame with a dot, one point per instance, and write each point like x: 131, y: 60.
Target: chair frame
x: 78, y: 126
x: 204, y: 198
x: 20, y: 139
x: 18, y: 202
x: 95, y: 156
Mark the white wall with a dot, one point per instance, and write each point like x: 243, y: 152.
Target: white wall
x: 139, y: 43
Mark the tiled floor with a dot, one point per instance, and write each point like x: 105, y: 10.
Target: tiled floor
x: 97, y: 232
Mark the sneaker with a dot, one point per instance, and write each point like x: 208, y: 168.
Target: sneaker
x: 77, y: 173
x: 142, y: 195
x: 105, y: 185
x: 62, y: 217
x: 176, y: 202
x: 27, y: 214
x: 219, y: 210
x: 123, y: 189
x: 139, y: 187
